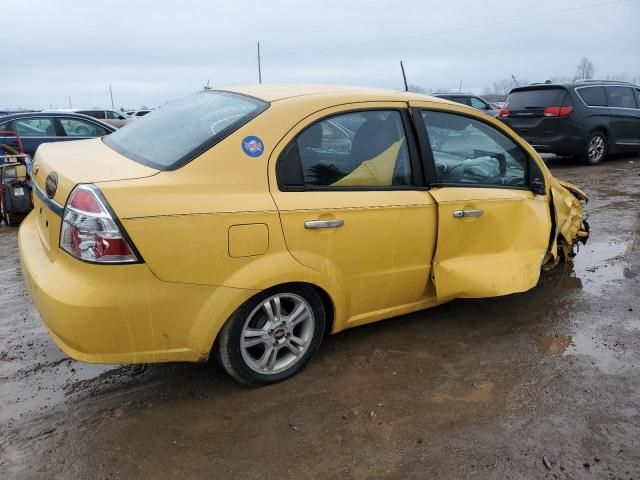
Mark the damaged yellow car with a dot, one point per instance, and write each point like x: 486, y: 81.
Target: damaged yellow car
x: 247, y: 223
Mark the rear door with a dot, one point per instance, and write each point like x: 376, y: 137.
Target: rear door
x: 624, y: 116
x: 524, y: 111
x: 493, y: 229
x: 352, y: 205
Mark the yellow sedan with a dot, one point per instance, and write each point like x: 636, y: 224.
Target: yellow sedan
x: 248, y: 223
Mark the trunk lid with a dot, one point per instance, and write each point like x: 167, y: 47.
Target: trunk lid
x: 71, y: 163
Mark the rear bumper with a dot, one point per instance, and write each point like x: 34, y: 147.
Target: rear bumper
x: 121, y: 313
x: 560, y: 145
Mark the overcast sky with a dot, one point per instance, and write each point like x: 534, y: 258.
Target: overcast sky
x: 154, y: 51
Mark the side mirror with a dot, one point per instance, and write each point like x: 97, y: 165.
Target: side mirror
x: 538, y: 187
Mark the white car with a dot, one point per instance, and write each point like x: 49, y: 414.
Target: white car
x: 137, y: 113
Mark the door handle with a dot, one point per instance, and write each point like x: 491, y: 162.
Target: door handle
x: 323, y: 223
x: 467, y: 213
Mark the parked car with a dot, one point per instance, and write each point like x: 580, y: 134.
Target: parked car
x: 588, y: 120
x: 36, y: 128
x: 471, y: 100
x: 113, y: 118
x: 247, y: 223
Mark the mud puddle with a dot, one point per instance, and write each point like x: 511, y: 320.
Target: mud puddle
x: 600, y: 263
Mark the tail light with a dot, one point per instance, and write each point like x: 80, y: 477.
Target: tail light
x: 557, y: 111
x: 90, y: 231
x: 504, y: 113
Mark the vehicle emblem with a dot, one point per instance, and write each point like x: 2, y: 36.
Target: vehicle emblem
x: 252, y: 146
x: 35, y: 167
x: 51, y: 184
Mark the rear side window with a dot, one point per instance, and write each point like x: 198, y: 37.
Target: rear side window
x: 365, y: 149
x: 479, y: 104
x: 185, y: 128
x: 621, y: 97
x: 35, y: 127
x: 535, y: 98
x: 463, y: 100
x: 94, y: 113
x: 593, y: 96
x: 114, y: 115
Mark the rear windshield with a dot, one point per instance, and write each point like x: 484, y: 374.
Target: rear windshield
x: 178, y: 132
x: 593, y: 96
x: 535, y: 98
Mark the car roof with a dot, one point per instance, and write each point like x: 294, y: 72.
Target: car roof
x: 579, y: 83
x: 449, y: 94
x: 15, y: 116
x: 274, y: 93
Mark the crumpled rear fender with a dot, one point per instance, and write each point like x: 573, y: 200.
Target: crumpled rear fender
x: 569, y: 221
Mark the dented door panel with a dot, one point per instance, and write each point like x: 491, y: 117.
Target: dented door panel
x: 497, y: 251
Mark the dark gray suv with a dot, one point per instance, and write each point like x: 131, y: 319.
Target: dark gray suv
x: 585, y: 119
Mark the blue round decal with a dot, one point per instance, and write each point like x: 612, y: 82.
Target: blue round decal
x: 252, y: 146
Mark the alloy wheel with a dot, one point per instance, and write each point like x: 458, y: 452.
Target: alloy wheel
x: 595, y: 149
x: 277, y: 333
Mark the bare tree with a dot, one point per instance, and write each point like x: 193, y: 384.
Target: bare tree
x: 584, y: 71
x: 441, y: 90
x: 417, y: 89
x: 561, y: 79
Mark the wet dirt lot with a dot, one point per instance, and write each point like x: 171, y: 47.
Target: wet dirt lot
x: 544, y: 384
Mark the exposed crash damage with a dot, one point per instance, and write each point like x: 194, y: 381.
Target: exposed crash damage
x: 570, y: 226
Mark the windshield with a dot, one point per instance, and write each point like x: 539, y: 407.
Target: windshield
x: 183, y: 129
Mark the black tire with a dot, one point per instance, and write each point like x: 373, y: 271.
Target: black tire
x: 231, y: 355
x: 595, y: 148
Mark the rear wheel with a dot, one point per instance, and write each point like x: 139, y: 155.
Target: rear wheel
x: 273, y: 335
x: 595, y: 149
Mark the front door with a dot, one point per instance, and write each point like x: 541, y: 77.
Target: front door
x: 35, y: 131
x: 352, y: 206
x: 493, y: 230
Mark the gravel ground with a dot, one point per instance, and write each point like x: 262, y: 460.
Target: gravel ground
x: 544, y: 384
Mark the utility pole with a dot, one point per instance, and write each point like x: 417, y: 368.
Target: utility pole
x: 404, y: 77
x: 70, y: 101
x: 111, y: 94
x: 460, y: 87
x: 259, y: 65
